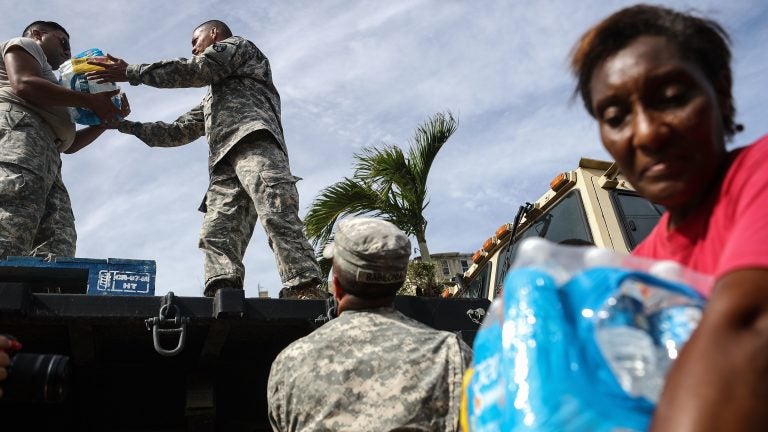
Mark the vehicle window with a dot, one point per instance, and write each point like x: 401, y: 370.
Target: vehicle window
x: 479, y: 286
x: 638, y: 215
x: 565, y: 223
x: 464, y: 265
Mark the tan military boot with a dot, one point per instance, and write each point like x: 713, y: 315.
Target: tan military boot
x: 308, y: 291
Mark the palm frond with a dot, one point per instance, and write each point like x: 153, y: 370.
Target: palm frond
x: 386, y: 183
x: 347, y: 197
x: 381, y: 168
x: 428, y: 140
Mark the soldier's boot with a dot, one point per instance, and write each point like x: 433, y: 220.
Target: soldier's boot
x: 215, y: 285
x: 306, y: 291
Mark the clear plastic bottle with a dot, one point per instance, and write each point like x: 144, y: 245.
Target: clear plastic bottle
x: 671, y: 327
x: 624, y: 338
x: 672, y: 317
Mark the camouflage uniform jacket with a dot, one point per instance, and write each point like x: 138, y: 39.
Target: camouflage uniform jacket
x: 369, y: 370
x: 241, y: 98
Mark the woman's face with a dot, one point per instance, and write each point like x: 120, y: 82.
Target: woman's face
x: 660, y: 119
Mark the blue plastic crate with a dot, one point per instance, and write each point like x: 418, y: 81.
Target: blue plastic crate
x: 111, y: 276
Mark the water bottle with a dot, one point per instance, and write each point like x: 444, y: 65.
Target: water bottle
x: 671, y: 326
x: 73, y: 78
x: 624, y: 339
x: 559, y: 261
x: 672, y: 317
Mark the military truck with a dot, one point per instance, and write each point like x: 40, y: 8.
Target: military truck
x: 160, y: 363
x: 593, y: 204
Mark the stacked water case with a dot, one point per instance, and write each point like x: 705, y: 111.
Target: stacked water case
x: 581, y: 340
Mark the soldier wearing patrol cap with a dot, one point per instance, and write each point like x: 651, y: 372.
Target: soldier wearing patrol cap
x: 372, y: 368
x: 250, y: 177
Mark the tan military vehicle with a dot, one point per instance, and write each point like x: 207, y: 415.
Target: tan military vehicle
x: 591, y: 205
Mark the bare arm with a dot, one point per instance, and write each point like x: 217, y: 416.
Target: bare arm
x: 83, y: 137
x: 86, y: 136
x: 26, y: 82
x: 720, y: 380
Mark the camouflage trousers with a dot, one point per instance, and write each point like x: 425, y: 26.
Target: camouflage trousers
x: 253, y: 182
x: 35, y: 211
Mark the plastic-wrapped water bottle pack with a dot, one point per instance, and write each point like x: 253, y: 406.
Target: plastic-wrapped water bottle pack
x: 580, y: 340
x: 73, y: 77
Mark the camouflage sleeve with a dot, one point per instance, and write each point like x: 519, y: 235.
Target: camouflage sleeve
x: 275, y: 396
x: 466, y: 353
x: 183, y: 130
x: 217, y: 62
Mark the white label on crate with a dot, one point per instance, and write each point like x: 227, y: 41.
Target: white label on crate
x: 122, y: 281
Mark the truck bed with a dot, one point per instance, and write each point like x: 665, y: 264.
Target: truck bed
x: 217, y: 381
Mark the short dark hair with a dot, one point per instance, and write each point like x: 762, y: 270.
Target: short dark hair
x: 219, y: 25
x: 700, y: 40
x: 43, y: 25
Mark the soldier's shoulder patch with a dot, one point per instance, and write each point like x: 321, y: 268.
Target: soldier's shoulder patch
x: 219, y: 47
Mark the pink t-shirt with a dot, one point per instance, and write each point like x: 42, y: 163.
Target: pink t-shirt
x: 728, y: 234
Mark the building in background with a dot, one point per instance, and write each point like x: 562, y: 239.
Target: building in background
x: 448, y: 264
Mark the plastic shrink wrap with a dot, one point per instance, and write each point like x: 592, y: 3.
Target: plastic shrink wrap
x: 580, y: 340
x: 73, y: 77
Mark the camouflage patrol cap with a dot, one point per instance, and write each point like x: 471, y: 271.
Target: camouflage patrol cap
x: 370, y: 250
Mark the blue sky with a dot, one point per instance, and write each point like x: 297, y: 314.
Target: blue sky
x: 353, y: 74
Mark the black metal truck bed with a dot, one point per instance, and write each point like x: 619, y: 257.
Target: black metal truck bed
x: 216, y: 381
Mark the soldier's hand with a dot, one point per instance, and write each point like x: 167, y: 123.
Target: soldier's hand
x: 114, y: 70
x: 125, y: 109
x: 102, y: 106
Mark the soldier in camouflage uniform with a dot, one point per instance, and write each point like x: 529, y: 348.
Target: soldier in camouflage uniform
x: 35, y: 212
x: 372, y: 368
x: 249, y: 173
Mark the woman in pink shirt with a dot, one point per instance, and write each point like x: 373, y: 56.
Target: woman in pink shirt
x: 658, y: 82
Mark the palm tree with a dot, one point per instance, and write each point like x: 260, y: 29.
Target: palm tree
x: 387, y: 184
